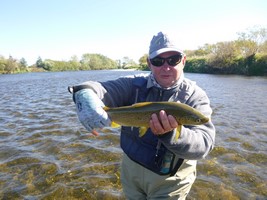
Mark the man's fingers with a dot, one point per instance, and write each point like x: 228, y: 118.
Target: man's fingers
x: 162, y: 124
x: 172, y: 121
x: 155, y: 124
x: 94, y: 132
x: 164, y: 120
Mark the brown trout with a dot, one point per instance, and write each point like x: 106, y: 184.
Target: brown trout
x: 139, y: 114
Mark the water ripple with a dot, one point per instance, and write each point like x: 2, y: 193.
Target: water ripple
x: 46, y: 154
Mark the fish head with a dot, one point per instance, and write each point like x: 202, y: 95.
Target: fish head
x: 193, y: 119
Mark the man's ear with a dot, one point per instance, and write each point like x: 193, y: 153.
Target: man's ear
x: 148, y: 63
x: 184, y: 59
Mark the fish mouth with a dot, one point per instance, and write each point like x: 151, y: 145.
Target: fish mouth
x: 205, y: 120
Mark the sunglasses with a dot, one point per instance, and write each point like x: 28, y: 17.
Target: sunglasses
x: 172, y: 60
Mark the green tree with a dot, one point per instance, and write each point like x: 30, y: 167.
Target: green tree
x: 97, y: 62
x: 223, y: 54
x: 23, y: 64
x: 119, y: 65
x: 11, y: 65
x: 143, y: 62
x: 48, y: 65
x: 247, y: 47
x: 252, y: 39
x: 263, y: 48
x: 2, y: 64
x: 196, y: 65
x: 74, y: 63
x: 128, y: 63
x: 39, y: 63
x: 85, y: 61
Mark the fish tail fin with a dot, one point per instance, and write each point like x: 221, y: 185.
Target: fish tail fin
x: 105, y: 108
x: 142, y: 131
x: 114, y: 125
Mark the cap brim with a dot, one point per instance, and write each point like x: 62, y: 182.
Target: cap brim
x: 163, y: 50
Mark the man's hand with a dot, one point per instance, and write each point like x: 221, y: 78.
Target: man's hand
x: 162, y: 124
x: 90, y: 110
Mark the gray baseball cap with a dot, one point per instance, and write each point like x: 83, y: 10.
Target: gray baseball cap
x: 161, y: 43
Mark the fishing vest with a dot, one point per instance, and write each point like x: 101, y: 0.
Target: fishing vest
x: 147, y: 150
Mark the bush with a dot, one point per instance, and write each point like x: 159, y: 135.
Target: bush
x: 196, y: 65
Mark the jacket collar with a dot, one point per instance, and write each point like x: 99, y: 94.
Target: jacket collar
x: 151, y: 82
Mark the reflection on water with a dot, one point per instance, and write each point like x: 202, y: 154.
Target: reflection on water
x: 46, y: 154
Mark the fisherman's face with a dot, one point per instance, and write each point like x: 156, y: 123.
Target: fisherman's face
x: 167, y: 75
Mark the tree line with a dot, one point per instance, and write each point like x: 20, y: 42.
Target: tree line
x: 246, y: 56
x: 87, y: 62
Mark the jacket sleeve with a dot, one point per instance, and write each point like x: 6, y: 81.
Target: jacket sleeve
x: 113, y: 93
x: 194, y: 142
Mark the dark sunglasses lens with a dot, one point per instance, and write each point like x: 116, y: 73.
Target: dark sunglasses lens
x: 174, y: 60
x: 157, y: 61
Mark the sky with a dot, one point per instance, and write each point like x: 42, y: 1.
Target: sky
x: 61, y: 29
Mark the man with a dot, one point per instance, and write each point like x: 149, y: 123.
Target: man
x: 155, y: 166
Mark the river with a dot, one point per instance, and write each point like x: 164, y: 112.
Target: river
x: 45, y: 153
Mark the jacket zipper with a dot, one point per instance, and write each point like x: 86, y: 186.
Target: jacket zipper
x: 159, y: 142
x: 160, y: 95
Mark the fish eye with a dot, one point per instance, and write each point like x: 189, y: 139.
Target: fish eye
x: 198, y: 120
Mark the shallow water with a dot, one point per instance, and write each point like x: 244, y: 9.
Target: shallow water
x: 46, y: 154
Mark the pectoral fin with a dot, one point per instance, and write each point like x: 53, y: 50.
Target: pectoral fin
x: 142, y: 131
x: 114, y: 125
x: 178, y: 132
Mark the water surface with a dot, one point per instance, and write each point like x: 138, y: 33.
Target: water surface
x: 46, y: 154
